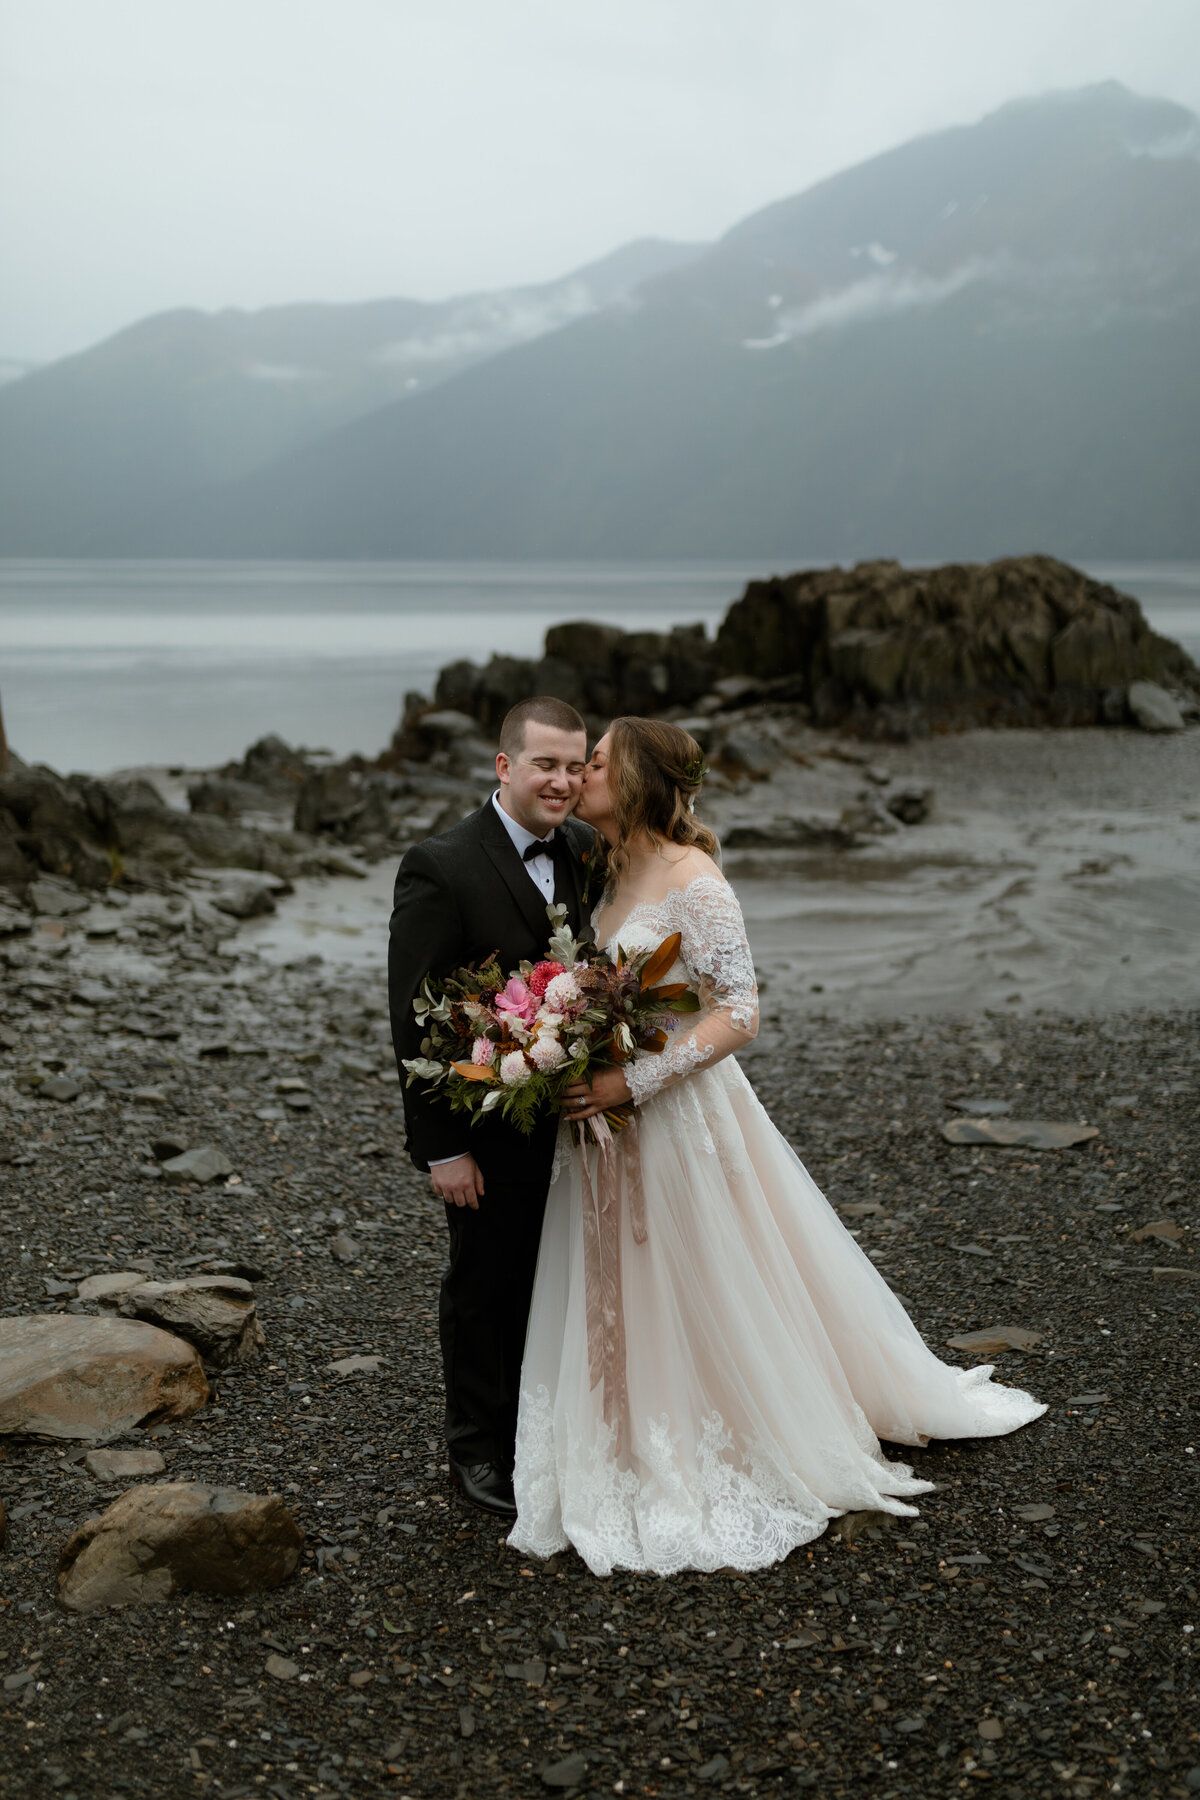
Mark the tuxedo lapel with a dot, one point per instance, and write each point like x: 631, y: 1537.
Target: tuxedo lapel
x: 502, y: 853
x: 575, y: 874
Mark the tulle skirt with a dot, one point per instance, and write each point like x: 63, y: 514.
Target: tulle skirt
x: 711, y: 1360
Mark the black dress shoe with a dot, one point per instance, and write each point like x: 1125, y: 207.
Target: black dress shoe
x: 485, y: 1485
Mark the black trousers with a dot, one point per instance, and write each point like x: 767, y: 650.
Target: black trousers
x: 484, y: 1305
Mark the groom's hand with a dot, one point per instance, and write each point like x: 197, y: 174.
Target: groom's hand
x: 458, y: 1183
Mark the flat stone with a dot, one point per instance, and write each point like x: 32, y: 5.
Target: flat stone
x: 60, y: 1087
x: 356, y: 1365
x: 247, y: 898
x: 200, y: 1166
x: 983, y: 1109
x: 165, y: 1148
x: 343, y: 1248
x: 282, y: 1668
x: 178, y: 1537
x: 358, y: 1066
x: 72, y: 1376
x: 1164, y: 1229
x: 109, y: 1281
x: 995, y: 1339
x: 291, y: 1084
x: 216, y: 1313
x: 124, y: 1465
x: 1153, y: 708
x: 1029, y: 1134
x: 149, y: 1096
x: 568, y: 1773
x: 991, y: 1730
x: 55, y: 900
x: 1035, y: 1512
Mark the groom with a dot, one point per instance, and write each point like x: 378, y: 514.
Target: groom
x: 483, y: 888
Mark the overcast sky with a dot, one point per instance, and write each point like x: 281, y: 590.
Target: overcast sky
x: 161, y: 153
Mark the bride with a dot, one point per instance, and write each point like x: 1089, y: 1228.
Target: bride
x: 711, y: 1360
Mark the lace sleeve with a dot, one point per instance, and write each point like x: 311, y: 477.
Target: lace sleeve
x: 717, y: 957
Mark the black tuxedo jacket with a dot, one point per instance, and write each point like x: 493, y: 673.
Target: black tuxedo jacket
x: 459, y: 898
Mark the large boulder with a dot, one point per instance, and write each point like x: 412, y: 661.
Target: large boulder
x: 65, y: 1376
x: 216, y: 1313
x: 345, y: 801
x: 1153, y: 708
x: 272, y: 764
x: 178, y: 1537
x: 1024, y: 640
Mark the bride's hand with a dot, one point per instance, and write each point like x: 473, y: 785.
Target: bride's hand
x: 609, y: 1089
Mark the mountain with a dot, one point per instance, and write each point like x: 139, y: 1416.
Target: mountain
x: 187, y: 398
x: 983, y: 342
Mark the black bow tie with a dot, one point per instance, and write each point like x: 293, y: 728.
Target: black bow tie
x: 542, y: 847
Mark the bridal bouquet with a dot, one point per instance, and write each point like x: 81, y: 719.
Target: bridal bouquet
x: 513, y: 1043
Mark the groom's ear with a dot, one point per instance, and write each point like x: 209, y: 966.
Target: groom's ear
x: 503, y: 767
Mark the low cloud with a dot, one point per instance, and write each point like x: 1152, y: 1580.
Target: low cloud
x: 875, y: 297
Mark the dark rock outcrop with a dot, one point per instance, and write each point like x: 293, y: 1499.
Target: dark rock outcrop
x: 91, y: 832
x: 879, y: 648
x: 1021, y: 641
x: 596, y: 668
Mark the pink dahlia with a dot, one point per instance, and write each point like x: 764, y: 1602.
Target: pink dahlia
x: 542, y: 975
x: 482, y: 1052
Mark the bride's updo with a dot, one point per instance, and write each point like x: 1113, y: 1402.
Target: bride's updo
x: 655, y: 770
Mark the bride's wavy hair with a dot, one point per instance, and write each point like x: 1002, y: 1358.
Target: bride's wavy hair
x: 655, y: 771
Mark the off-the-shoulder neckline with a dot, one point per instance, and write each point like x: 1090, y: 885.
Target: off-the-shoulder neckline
x: 641, y: 906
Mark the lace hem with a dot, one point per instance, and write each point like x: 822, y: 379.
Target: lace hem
x: 723, y: 1510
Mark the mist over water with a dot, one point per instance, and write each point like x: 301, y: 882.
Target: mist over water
x: 107, y: 665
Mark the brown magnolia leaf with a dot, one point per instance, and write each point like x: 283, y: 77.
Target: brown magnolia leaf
x: 660, y: 960
x: 671, y: 991
x: 473, y: 1072
x: 656, y: 1041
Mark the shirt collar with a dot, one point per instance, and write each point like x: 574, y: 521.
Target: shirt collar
x: 521, y: 838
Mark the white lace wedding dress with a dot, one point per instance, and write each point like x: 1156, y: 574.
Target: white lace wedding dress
x: 711, y: 1359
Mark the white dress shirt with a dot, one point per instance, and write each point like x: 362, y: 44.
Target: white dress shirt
x: 539, y: 868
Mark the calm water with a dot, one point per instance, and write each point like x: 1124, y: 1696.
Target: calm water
x: 105, y: 665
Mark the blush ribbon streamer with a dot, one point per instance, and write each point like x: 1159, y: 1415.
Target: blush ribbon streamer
x: 617, y: 1157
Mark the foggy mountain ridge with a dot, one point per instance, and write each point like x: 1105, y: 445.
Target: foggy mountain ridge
x: 984, y: 341
x: 185, y: 398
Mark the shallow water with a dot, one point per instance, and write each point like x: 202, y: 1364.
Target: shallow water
x: 108, y: 664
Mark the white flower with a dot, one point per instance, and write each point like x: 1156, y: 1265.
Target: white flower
x: 562, y: 991
x: 547, y: 1052
x: 577, y: 1049
x: 623, y: 1039
x: 549, y: 1021
x: 514, y: 1070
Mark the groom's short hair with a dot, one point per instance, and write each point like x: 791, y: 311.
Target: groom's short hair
x: 543, y: 709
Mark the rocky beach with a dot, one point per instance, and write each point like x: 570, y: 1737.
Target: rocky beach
x: 976, y: 935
